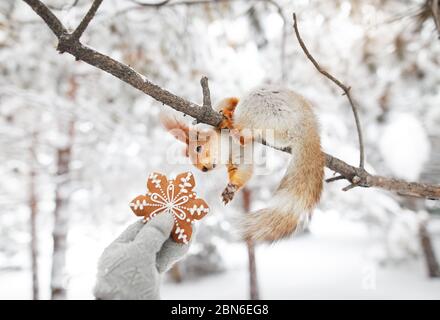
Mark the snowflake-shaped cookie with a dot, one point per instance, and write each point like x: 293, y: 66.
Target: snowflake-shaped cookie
x: 176, y: 196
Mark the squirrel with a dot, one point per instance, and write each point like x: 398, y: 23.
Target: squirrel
x: 293, y: 125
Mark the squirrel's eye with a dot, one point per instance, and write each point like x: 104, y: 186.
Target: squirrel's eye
x: 198, y: 149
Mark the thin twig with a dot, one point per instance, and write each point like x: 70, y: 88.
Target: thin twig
x: 332, y: 179
x: 354, y: 183
x: 207, y: 105
x: 206, y: 93
x: 86, y: 20
x: 349, y: 187
x: 344, y: 88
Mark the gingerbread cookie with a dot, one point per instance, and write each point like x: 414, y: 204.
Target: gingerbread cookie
x: 175, y: 196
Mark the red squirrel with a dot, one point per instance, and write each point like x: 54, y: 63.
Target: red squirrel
x: 293, y: 124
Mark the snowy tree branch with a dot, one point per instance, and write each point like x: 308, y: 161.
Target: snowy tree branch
x: 345, y: 89
x: 207, y: 105
x: 206, y: 93
x: 66, y: 43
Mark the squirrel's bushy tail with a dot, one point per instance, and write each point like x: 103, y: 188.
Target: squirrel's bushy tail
x: 269, y: 224
x: 293, y: 201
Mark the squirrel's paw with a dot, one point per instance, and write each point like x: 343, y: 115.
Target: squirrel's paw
x: 228, y: 193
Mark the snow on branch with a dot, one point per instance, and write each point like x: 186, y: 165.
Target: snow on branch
x: 357, y: 176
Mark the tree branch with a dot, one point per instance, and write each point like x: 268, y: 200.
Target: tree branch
x: 336, y: 178
x: 51, y: 20
x: 359, y: 176
x: 344, y: 88
x: 86, y: 20
x: 206, y: 93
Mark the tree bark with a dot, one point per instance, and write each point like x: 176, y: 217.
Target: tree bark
x: 33, y: 206
x: 428, y: 252
x: 61, y: 220
x: 432, y: 265
x: 253, y: 281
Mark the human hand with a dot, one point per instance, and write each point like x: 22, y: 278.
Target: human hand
x: 130, y: 267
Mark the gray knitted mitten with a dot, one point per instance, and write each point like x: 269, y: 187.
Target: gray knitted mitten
x: 130, y: 267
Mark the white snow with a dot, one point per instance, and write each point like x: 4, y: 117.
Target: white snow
x: 405, y: 146
x: 332, y: 262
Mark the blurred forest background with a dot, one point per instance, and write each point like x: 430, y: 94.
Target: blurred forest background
x: 76, y: 144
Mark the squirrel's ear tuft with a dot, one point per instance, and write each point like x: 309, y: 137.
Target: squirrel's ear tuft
x: 177, y: 128
x: 227, y: 105
x: 231, y: 103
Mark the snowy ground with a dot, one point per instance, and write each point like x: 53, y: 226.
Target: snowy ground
x: 332, y: 262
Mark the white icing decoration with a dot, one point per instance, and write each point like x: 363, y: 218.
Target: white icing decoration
x: 173, y: 201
